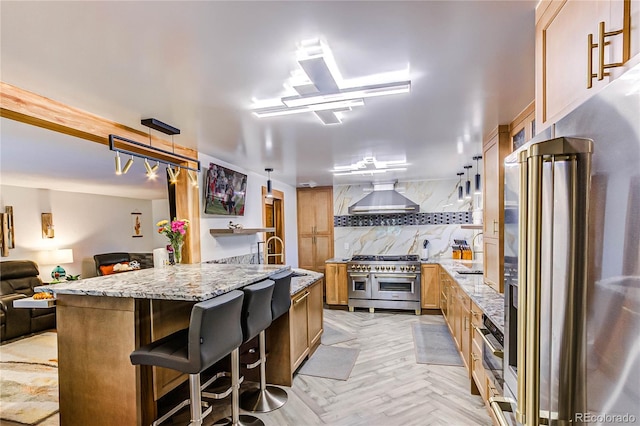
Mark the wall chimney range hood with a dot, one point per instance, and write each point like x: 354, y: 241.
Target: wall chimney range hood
x: 384, y: 200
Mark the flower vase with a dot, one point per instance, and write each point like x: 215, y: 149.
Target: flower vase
x: 177, y: 252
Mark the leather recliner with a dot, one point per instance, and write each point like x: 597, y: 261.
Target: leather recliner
x: 17, y: 280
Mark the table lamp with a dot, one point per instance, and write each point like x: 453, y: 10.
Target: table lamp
x: 57, y: 257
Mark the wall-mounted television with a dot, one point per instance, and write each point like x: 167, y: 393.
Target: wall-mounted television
x: 224, y: 191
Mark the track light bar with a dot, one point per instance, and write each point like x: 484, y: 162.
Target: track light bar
x: 147, y: 152
x: 160, y: 126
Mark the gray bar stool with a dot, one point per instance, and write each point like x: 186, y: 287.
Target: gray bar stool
x: 214, y: 332
x: 255, y: 318
x: 269, y: 398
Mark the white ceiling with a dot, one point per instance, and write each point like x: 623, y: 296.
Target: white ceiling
x: 197, y: 65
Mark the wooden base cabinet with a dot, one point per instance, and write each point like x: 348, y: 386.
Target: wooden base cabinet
x: 477, y: 369
x: 430, y: 287
x: 295, y: 335
x: 336, y: 284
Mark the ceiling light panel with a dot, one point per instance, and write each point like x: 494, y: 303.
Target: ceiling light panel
x: 319, y: 86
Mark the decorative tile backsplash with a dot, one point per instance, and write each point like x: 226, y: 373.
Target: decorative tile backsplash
x: 404, y: 233
x: 405, y: 219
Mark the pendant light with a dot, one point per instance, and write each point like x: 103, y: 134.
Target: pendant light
x: 127, y: 165
x: 460, y: 195
x: 118, y: 168
x: 478, y: 181
x: 269, y: 188
x: 467, y: 184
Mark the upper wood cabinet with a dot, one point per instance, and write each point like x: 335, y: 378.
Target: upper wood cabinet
x: 568, y: 69
x: 495, y: 148
x: 315, y: 227
x: 523, y: 127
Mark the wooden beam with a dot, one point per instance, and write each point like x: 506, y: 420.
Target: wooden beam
x: 30, y: 108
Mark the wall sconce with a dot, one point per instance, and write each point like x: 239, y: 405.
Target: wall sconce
x: 47, y: 225
x: 460, y: 194
x: 467, y: 184
x: 478, y: 181
x: 269, y: 187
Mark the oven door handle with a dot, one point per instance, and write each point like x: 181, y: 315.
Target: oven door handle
x: 495, y: 351
x: 499, y: 405
x: 411, y: 277
x: 359, y: 275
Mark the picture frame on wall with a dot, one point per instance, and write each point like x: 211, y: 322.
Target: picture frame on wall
x: 136, y: 225
x: 224, y: 191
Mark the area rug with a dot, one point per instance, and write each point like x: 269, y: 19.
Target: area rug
x: 331, y: 336
x: 330, y: 362
x: 434, y: 344
x: 29, y: 379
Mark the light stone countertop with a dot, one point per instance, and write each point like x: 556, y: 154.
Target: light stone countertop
x: 194, y: 282
x: 487, y: 299
x: 299, y: 283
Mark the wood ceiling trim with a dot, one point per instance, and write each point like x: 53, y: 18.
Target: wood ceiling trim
x: 30, y: 108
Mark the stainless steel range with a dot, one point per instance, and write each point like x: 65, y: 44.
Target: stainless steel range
x: 384, y: 281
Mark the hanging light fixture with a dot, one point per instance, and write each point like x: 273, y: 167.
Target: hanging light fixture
x: 193, y: 177
x: 127, y: 165
x: 269, y: 188
x: 467, y: 184
x: 460, y: 191
x: 478, y: 181
x: 118, y: 168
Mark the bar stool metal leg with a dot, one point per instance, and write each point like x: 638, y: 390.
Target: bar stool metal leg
x: 266, y: 398
x: 236, y: 419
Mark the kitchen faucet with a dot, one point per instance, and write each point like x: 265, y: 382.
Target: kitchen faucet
x: 473, y: 245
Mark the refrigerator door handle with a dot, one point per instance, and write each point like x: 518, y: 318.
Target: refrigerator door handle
x: 500, y: 405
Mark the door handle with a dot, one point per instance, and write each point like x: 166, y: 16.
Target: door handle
x: 495, y: 351
x: 499, y: 405
x: 495, y: 223
x: 411, y: 277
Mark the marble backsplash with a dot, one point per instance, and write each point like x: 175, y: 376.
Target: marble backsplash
x: 431, y: 195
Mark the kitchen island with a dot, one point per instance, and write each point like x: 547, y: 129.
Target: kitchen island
x: 101, y: 320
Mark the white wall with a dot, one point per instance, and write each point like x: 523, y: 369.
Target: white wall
x: 219, y: 247
x: 87, y: 223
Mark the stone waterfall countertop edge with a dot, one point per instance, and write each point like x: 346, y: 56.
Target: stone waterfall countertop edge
x: 194, y: 282
x: 487, y: 299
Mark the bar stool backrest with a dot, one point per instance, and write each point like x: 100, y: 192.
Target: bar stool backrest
x: 215, y: 329
x: 281, y: 300
x: 256, y: 308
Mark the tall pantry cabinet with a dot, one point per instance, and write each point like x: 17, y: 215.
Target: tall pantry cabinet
x: 315, y: 227
x: 496, y: 146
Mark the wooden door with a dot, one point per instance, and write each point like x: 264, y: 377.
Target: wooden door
x: 331, y: 280
x: 299, y: 329
x: 465, y: 332
x: 430, y: 287
x: 342, y: 284
x: 491, y: 204
x: 323, y: 250
x: 306, y: 258
x: 306, y: 212
x: 493, y: 264
x: 323, y: 218
x: 315, y: 316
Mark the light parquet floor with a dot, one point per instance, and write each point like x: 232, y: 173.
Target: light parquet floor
x: 386, y: 387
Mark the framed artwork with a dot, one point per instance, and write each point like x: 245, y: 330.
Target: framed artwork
x: 136, y: 225
x: 224, y: 191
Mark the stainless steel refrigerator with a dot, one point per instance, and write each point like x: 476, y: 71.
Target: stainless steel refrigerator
x: 572, y: 267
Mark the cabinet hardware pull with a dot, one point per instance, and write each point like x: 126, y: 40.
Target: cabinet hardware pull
x: 602, y: 66
x: 359, y: 275
x: 306, y: 293
x: 495, y: 223
x: 590, y: 74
